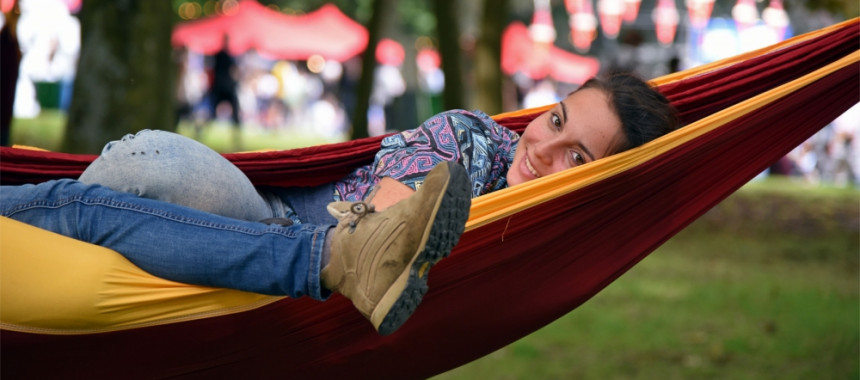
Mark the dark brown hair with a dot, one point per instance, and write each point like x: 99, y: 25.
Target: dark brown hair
x: 644, y: 112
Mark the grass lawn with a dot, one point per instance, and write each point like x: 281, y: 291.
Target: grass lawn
x: 46, y: 132
x: 764, y: 286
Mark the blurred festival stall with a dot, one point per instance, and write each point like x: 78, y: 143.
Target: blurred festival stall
x: 49, y: 39
x: 521, y: 54
x: 531, y: 51
x: 326, y: 32
x: 290, y: 66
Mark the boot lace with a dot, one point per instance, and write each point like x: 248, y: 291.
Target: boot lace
x: 358, y: 210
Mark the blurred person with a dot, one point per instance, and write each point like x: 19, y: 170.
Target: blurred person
x: 842, y: 149
x: 266, y: 90
x: 805, y: 161
x: 190, y: 90
x: 541, y: 94
x: 431, y: 81
x: 328, y: 117
x: 10, y: 60
x: 224, y: 232
x: 298, y: 89
x: 49, y: 37
x: 388, y: 84
x: 224, y: 86
x: 348, y: 84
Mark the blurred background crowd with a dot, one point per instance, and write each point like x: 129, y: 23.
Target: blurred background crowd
x: 234, y: 71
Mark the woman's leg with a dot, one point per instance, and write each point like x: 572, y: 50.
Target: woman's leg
x: 380, y: 261
x: 177, y: 242
x: 173, y: 168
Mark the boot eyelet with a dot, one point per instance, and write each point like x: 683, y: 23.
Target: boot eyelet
x: 358, y: 208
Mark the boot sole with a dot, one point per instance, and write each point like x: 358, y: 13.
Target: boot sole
x: 442, y: 234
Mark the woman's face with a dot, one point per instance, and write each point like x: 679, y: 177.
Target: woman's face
x: 579, y: 129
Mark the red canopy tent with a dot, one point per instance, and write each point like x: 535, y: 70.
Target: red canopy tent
x: 521, y: 54
x: 250, y: 25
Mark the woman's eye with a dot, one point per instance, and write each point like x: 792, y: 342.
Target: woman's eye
x: 577, y: 158
x: 556, y: 121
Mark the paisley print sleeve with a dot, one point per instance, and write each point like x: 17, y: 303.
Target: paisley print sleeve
x: 471, y: 139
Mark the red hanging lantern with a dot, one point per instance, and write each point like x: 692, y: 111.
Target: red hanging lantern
x: 6, y: 5
x: 542, y: 30
x: 542, y: 33
x: 665, y: 17
x: 631, y: 10
x: 700, y: 12
x: 745, y: 14
x: 583, y: 23
x: 610, y: 12
x: 776, y: 18
x: 389, y: 52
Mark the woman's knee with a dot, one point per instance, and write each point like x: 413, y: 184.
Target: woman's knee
x: 142, y: 159
x: 153, y: 144
x: 173, y: 168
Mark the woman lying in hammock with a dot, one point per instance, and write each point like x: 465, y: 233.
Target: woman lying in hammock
x: 182, y: 212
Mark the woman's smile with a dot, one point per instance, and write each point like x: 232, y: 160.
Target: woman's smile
x: 531, y: 168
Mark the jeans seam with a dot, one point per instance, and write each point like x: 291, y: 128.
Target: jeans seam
x: 108, y: 202
x: 314, y: 285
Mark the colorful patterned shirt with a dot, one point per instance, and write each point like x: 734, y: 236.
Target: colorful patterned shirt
x: 473, y: 139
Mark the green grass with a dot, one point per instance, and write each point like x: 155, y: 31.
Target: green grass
x: 46, y: 132
x: 219, y: 136
x: 765, y: 286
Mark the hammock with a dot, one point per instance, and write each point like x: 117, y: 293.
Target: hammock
x: 530, y: 254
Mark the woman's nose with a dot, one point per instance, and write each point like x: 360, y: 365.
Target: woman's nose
x: 543, y: 152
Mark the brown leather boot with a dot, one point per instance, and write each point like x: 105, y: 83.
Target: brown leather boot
x: 380, y: 260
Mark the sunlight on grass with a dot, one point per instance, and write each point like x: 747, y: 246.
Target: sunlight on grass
x: 220, y: 137
x: 46, y: 132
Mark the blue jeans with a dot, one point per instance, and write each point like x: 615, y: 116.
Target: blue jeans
x: 187, y: 244
x: 177, y: 242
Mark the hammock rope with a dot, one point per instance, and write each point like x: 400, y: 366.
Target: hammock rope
x: 531, y: 254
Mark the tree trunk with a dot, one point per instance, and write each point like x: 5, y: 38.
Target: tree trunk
x: 125, y: 77
x: 448, y: 29
x: 488, y: 56
x: 381, y: 10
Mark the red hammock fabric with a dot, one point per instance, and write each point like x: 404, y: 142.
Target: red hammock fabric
x: 503, y: 281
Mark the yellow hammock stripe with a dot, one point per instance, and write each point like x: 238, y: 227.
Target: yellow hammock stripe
x: 51, y: 280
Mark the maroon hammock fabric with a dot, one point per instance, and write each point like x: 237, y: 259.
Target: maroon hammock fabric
x: 503, y: 281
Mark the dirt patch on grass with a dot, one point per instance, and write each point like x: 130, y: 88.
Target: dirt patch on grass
x: 805, y: 214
